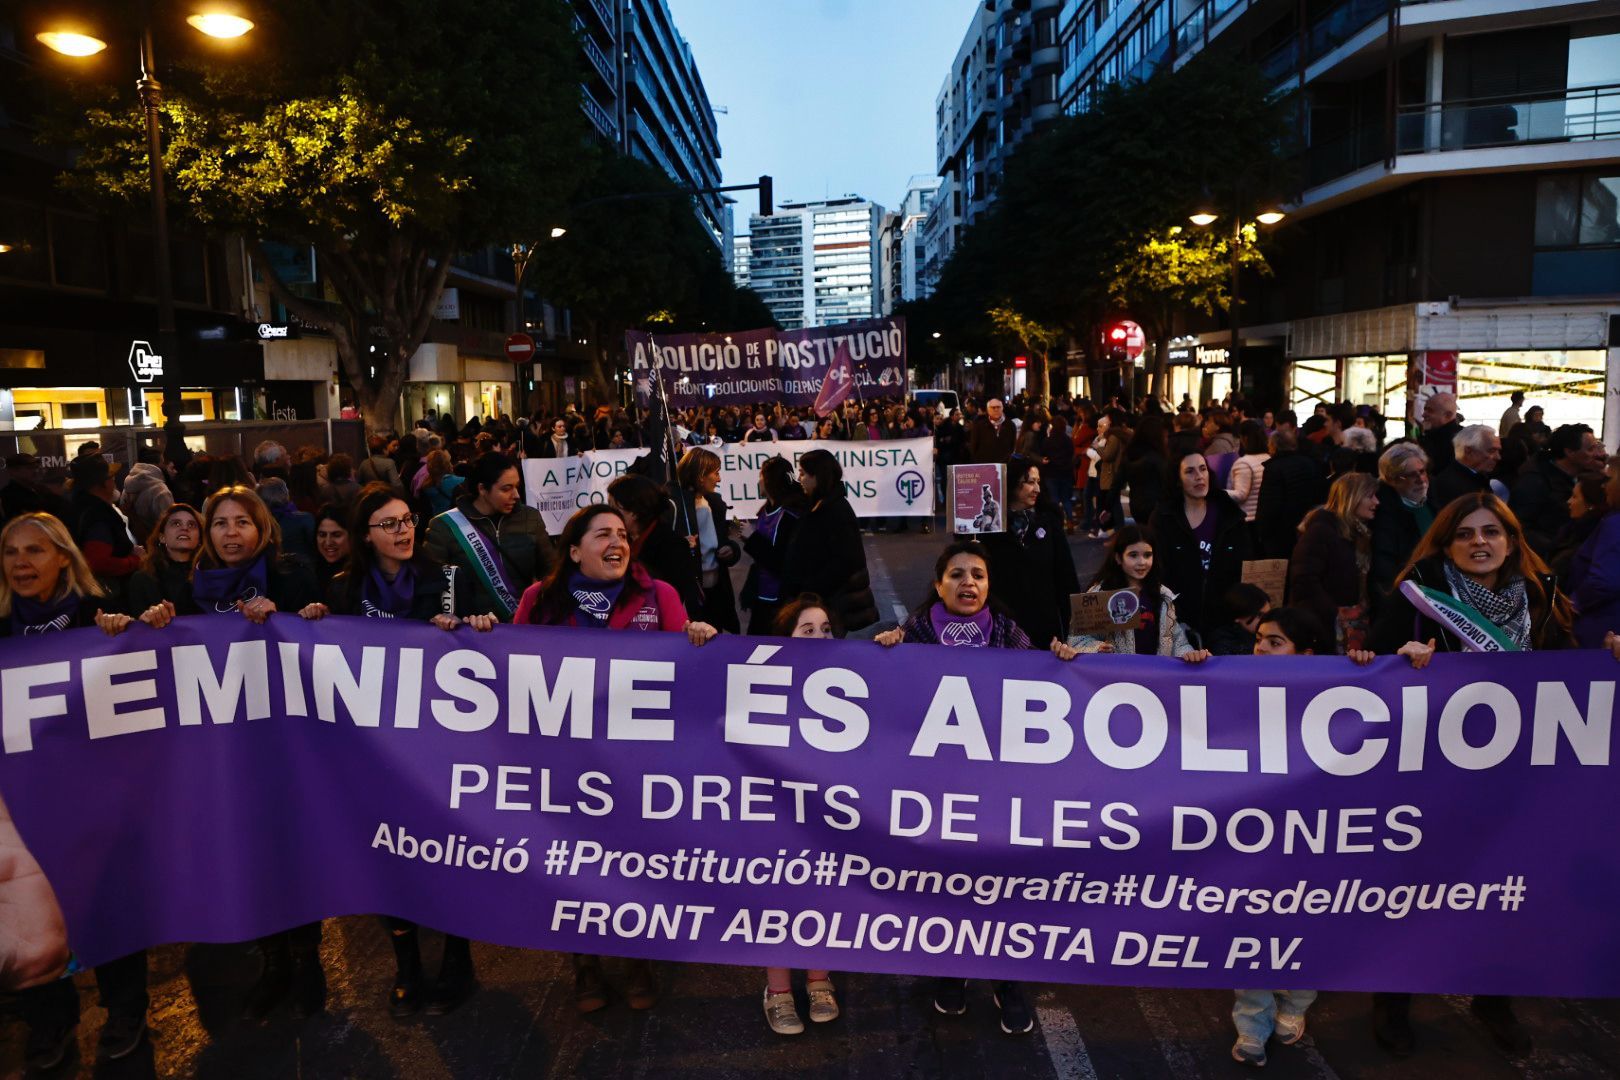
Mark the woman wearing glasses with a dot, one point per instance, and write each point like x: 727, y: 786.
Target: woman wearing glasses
x: 1404, y: 514
x: 386, y: 578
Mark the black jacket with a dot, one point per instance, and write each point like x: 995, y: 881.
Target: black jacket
x: 1294, y: 485
x: 168, y: 580
x: 343, y: 593
x: 667, y: 557
x: 1034, y: 577
x: 1145, y: 478
x: 1198, y: 592
x: 1455, y: 481
x: 1437, y: 444
x: 826, y: 557
x: 1395, y: 535
x: 989, y: 446
x: 1399, y: 622
x: 768, y: 555
x: 1322, y: 575
x: 1540, y: 498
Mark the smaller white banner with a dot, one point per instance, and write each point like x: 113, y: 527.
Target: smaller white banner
x: 894, y: 478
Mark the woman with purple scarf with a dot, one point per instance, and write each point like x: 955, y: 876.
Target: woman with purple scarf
x: 768, y: 544
x: 958, y: 612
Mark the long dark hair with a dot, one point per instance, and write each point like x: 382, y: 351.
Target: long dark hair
x: 486, y: 470
x: 1018, y: 467
x: 155, y: 555
x: 373, y: 497
x: 829, y: 475
x: 780, y: 489
x: 555, y: 602
x: 1111, y: 575
x: 788, y: 617
x: 1299, y: 626
x: 642, y: 497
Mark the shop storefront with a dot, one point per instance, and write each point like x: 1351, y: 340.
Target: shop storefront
x: 1378, y: 381
x: 1198, y: 373
x: 444, y: 380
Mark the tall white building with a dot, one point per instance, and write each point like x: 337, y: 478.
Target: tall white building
x: 741, y: 259
x: 904, y: 249
x: 817, y: 263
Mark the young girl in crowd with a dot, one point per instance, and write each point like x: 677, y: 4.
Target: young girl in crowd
x: 1260, y: 1014
x: 805, y: 617
x: 1130, y: 564
x: 1202, y: 541
x: 597, y: 585
x: 957, y: 612
x: 387, y: 578
x: 1244, y: 603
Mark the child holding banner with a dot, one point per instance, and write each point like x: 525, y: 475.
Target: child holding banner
x: 1130, y: 564
x: 957, y: 612
x: 598, y: 585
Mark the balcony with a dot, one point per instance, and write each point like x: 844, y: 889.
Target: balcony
x: 603, y: 119
x: 1556, y: 116
x: 1335, y: 28
x: 604, y: 13
x: 599, y: 59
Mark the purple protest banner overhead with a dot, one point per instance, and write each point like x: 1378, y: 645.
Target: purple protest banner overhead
x: 789, y: 366
x: 1125, y: 820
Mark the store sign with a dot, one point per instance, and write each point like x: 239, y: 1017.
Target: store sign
x: 275, y: 331
x: 144, y: 364
x: 1183, y: 354
x: 1213, y: 357
x: 449, y: 305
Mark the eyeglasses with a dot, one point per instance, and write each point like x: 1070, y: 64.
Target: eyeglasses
x: 399, y: 524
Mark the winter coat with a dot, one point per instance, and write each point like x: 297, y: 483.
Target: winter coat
x: 1322, y: 575
x: 1540, y: 498
x: 1223, y: 443
x: 988, y: 445
x: 1399, y: 622
x: 769, y: 555
x: 1395, y: 535
x: 826, y: 557
x: 167, y: 580
x: 1109, y: 457
x: 381, y: 469
x: 1244, y: 482
x: 1453, y: 482
x: 520, y: 537
x: 645, y: 603
x: 1172, y: 635
x: 146, y: 496
x: 1198, y: 593
x: 664, y: 553
x: 1034, y: 576
x: 1594, y: 583
x: 1292, y: 487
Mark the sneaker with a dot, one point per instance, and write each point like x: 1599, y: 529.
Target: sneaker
x: 1249, y: 1051
x: 49, y: 1046
x: 120, y: 1036
x: 950, y: 996
x: 1290, y: 1028
x: 590, y: 990
x: 823, y: 1005
x: 641, y: 986
x: 782, y: 1014
x: 1497, y: 1015
x: 1016, y: 1019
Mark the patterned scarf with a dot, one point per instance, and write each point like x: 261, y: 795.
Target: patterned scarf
x: 1508, y: 610
x: 594, y: 599
x: 41, y: 617
x: 970, y: 630
x: 221, y: 587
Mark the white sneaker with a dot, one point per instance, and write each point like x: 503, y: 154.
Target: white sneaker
x: 823, y: 1005
x: 782, y: 1015
x: 1290, y: 1028
x: 1249, y: 1051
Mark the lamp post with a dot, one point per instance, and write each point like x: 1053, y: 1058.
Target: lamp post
x: 1205, y: 216
x: 214, y: 22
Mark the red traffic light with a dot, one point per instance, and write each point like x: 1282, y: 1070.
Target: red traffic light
x: 1117, y: 334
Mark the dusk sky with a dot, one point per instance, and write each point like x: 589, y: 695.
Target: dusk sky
x: 829, y: 97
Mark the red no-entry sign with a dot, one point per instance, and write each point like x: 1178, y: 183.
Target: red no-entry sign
x: 519, y: 347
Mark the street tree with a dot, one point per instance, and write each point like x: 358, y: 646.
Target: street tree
x: 389, y: 138
x: 1035, y: 338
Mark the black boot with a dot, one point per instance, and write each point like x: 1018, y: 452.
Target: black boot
x: 590, y: 989
x: 406, y: 998
x: 274, y: 982
x: 1392, y: 1023
x: 456, y: 981
x: 308, y: 981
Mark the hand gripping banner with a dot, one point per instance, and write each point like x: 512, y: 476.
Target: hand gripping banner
x: 1126, y: 820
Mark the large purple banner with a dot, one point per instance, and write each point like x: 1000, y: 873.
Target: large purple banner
x: 753, y: 366
x: 1248, y: 822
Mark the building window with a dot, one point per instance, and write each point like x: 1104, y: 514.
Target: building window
x: 78, y: 251
x: 1577, y: 210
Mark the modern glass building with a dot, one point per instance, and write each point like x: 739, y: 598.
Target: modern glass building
x: 817, y: 264
x: 1459, y: 207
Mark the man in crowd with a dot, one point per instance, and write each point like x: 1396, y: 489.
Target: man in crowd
x: 992, y: 437
x: 1476, y: 450
x: 1511, y: 416
x: 1440, y: 424
x: 1540, y: 494
x: 1293, y: 486
x: 100, y: 528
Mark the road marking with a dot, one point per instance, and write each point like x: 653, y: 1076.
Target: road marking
x: 878, y: 571
x: 1064, y: 1046
x: 1172, y: 1048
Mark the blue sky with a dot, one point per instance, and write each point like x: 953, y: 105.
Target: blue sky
x: 829, y: 97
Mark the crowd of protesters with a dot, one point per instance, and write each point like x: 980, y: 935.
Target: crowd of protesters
x: 1520, y: 525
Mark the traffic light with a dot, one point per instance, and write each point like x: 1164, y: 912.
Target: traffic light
x: 1117, y: 335
x: 765, y: 201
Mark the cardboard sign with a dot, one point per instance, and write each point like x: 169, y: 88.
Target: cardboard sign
x: 978, y: 499
x: 1271, y: 575
x: 1104, y: 614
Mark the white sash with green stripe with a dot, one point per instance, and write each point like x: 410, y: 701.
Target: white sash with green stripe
x: 486, y: 562
x: 1474, y: 630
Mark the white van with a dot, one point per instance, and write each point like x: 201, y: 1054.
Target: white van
x: 941, y: 401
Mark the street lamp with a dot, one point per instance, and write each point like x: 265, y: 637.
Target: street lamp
x: 215, y: 21
x: 1203, y: 216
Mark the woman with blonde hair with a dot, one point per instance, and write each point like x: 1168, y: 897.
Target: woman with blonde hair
x: 1328, y: 573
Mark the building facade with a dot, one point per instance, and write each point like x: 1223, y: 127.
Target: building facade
x: 1458, y: 220
x: 904, y: 249
x: 818, y: 263
x: 1002, y: 86
x: 742, y: 252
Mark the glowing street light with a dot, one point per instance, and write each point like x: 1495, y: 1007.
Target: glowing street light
x: 558, y: 232
x: 1202, y: 217
x: 1269, y: 217
x: 70, y: 43
x: 220, y: 24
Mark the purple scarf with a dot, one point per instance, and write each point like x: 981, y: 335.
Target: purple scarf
x: 381, y: 598
x: 769, y: 586
x: 221, y: 587
x: 594, y: 599
x: 956, y: 630
x: 41, y: 617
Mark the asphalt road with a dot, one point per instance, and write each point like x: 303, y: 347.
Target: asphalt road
x: 522, y: 1024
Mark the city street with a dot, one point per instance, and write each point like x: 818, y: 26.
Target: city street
x: 709, y: 1024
